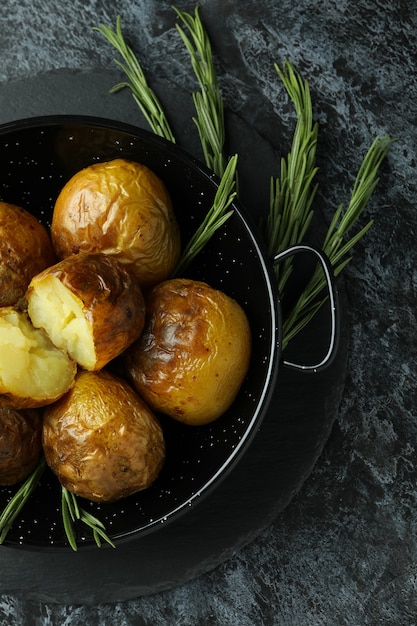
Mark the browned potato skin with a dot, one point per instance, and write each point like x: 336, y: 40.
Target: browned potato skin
x: 193, y: 354
x: 101, y: 440
x: 25, y: 250
x: 121, y: 208
x: 20, y: 444
x: 112, y: 299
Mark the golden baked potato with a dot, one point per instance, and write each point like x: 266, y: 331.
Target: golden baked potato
x: 33, y: 372
x: 20, y: 444
x: 123, y: 209
x: 89, y: 306
x: 25, y: 250
x: 101, y: 440
x: 194, y: 352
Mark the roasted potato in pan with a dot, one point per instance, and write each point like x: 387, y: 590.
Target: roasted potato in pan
x: 194, y: 351
x: 101, y: 440
x: 25, y: 250
x: 89, y: 306
x: 123, y: 209
x: 20, y: 443
x: 33, y: 372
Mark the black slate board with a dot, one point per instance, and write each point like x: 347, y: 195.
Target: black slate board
x: 284, y: 451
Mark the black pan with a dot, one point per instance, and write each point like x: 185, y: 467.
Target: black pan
x: 38, y: 156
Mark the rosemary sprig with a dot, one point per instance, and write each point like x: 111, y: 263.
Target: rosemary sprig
x: 210, y: 119
x: 291, y: 200
x: 214, y: 218
x: 292, y: 194
x: 143, y: 95
x: 208, y: 102
x: 72, y: 512
x: 18, y: 501
x: 336, y: 244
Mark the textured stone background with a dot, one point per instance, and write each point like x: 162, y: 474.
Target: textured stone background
x: 345, y: 550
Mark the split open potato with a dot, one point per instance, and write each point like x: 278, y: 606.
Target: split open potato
x: 185, y: 351
x: 20, y: 444
x: 194, y: 351
x: 89, y: 306
x: 101, y: 440
x: 33, y: 371
x: 25, y: 250
x: 120, y: 208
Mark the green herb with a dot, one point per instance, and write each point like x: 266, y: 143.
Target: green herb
x: 292, y: 194
x: 210, y: 119
x: 208, y: 102
x: 71, y: 513
x: 336, y: 244
x: 214, y: 218
x: 144, y: 96
x: 18, y: 501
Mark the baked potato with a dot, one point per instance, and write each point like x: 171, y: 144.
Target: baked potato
x: 123, y: 209
x: 33, y: 372
x: 89, y: 306
x: 20, y: 444
x: 194, y: 351
x: 25, y: 250
x: 101, y: 440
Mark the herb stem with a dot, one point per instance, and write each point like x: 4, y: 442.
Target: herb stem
x: 292, y: 193
x: 72, y: 512
x: 336, y: 244
x: 208, y: 102
x: 214, y: 219
x: 18, y: 501
x: 143, y: 95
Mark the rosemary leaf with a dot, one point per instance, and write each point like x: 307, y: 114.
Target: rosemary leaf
x: 18, y: 501
x: 215, y: 217
x: 208, y: 103
x: 99, y: 531
x: 143, y: 95
x: 68, y: 517
x: 292, y: 194
x: 296, y: 325
x: 72, y: 512
x: 336, y: 244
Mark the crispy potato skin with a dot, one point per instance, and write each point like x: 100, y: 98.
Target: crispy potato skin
x: 42, y: 373
x: 101, y: 440
x: 20, y: 444
x: 120, y: 208
x: 193, y: 354
x: 112, y: 300
x: 25, y: 250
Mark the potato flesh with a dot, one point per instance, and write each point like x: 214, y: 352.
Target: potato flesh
x: 60, y: 313
x: 29, y: 363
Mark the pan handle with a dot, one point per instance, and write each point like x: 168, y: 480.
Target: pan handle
x: 333, y: 302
